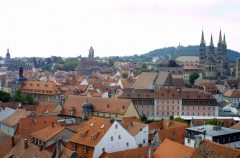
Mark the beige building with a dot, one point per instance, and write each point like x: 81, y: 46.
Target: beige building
x: 84, y: 107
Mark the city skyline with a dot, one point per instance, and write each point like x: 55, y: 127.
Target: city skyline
x: 63, y: 28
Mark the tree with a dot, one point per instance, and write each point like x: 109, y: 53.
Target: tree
x: 143, y: 118
x: 193, y: 77
x: 4, y: 96
x: 23, y: 98
x: 125, y: 75
x: 179, y: 119
x: 213, y: 121
x: 172, y: 63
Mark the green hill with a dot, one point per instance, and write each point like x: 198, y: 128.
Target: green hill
x: 175, y: 52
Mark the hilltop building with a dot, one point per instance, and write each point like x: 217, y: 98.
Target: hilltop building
x: 88, y: 65
x: 214, y: 64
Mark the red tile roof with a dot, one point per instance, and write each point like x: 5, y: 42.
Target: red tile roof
x: 131, y: 153
x: 94, y: 127
x: 171, y: 149
x: 232, y: 94
x: 48, y: 132
x: 32, y: 124
x: 13, y: 119
x: 108, y: 105
x: 211, y: 149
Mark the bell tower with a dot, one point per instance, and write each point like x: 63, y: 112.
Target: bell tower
x: 91, y: 53
x: 202, y: 50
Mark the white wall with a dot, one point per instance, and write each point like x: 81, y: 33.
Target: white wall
x: 117, y: 144
x: 142, y: 135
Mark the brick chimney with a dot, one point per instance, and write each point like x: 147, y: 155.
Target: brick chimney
x: 25, y: 144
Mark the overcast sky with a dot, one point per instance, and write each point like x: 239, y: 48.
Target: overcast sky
x: 113, y: 27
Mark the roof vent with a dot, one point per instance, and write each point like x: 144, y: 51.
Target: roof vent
x: 102, y: 126
x: 91, y: 124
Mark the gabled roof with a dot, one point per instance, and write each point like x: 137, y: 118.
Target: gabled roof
x: 14, y: 118
x: 171, y: 149
x: 145, y: 80
x: 18, y: 151
x: 134, y: 127
x: 109, y: 105
x: 131, y: 153
x: 214, y: 150
x: 164, y: 78
x: 92, y: 131
x: 32, y: 124
x: 48, y: 132
x: 232, y: 94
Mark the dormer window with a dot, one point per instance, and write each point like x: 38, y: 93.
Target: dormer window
x: 38, y: 85
x: 83, y: 133
x: 94, y: 137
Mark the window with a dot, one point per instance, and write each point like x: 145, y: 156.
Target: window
x: 84, y: 150
x: 119, y: 136
x: 111, y: 138
x: 103, y: 149
x: 127, y: 144
x: 189, y: 140
x: 144, y: 141
x: 116, y: 126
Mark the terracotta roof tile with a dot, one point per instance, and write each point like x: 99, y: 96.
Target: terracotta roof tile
x: 13, y: 119
x: 232, y: 93
x: 48, y: 132
x: 171, y: 149
x: 109, y: 105
x: 40, y: 87
x: 31, y: 151
x: 214, y: 150
x: 131, y: 153
x: 32, y: 124
x: 94, y: 127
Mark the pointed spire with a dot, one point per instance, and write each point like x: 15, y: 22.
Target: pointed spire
x: 202, y: 39
x: 211, y: 41
x: 220, y: 37
x: 224, y: 40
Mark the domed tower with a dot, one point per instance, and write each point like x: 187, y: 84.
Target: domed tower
x: 91, y: 53
x: 8, y: 57
x: 87, y: 110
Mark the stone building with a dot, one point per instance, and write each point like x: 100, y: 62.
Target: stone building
x: 89, y: 65
x: 214, y: 63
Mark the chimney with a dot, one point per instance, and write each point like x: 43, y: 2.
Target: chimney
x: 25, y: 144
x: 58, y: 148
x: 150, y: 153
x: 53, y: 124
x: 13, y: 142
x: 112, y: 120
x: 131, y: 123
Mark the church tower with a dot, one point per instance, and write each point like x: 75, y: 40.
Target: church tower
x: 91, y: 53
x: 220, y: 50
x: 211, y: 47
x: 202, y: 50
x: 8, y: 57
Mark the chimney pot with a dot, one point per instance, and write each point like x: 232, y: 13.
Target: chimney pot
x: 13, y: 142
x: 25, y: 144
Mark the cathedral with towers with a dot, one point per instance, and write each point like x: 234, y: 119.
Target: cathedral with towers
x: 88, y: 65
x: 213, y: 61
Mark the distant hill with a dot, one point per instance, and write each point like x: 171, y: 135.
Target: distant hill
x: 175, y: 52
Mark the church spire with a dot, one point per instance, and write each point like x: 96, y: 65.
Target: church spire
x: 211, y: 41
x: 202, y: 39
x: 224, y: 40
x: 220, y: 37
